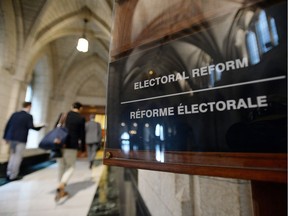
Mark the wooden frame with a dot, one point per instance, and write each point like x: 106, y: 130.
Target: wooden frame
x: 261, y: 167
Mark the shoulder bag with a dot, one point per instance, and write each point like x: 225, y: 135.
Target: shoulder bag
x: 55, y: 139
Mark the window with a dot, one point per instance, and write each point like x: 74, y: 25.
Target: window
x: 29, y: 93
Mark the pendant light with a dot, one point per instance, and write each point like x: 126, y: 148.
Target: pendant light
x: 83, y: 43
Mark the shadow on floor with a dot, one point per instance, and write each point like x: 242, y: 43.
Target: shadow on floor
x: 74, y: 188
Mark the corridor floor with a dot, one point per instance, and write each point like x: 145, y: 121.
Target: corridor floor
x: 100, y: 191
x: 34, y: 194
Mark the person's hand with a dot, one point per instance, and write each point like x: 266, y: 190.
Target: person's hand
x: 57, y: 141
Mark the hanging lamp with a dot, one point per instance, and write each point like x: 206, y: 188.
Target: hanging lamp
x: 83, y: 44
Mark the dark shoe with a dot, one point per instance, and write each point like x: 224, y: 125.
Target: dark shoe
x: 91, y: 164
x: 16, y: 179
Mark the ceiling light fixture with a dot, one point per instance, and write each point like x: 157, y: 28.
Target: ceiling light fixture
x: 83, y: 43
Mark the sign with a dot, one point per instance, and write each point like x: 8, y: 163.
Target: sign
x: 199, y: 106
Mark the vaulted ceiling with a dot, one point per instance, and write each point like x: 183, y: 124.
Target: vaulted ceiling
x: 43, y: 34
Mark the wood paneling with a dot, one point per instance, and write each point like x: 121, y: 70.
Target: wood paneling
x: 262, y: 167
x: 92, y: 110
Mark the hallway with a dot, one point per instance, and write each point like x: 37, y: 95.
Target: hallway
x: 191, y: 96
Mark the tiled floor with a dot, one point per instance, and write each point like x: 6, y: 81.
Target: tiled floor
x: 34, y: 194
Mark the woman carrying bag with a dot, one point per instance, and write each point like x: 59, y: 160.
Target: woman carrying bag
x: 75, y: 140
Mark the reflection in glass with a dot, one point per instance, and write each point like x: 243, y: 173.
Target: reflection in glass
x: 263, y: 32
x: 274, y: 31
x: 159, y: 146
x: 251, y: 34
x: 253, y: 48
x: 147, y: 135
x: 263, y: 39
x: 125, y: 142
x: 159, y: 153
x: 159, y: 132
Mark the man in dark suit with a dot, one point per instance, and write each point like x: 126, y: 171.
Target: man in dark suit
x: 15, y: 134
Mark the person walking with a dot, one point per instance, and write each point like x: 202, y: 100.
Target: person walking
x: 75, y: 125
x: 15, y: 134
x: 93, y: 138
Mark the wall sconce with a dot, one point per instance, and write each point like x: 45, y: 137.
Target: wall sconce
x: 83, y: 43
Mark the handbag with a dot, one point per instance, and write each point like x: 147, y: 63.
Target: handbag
x: 56, y: 152
x: 55, y: 139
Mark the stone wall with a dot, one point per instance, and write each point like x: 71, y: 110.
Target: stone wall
x: 169, y: 194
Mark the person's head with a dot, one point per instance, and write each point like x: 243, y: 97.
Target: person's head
x: 27, y: 106
x: 92, y: 117
x: 77, y: 106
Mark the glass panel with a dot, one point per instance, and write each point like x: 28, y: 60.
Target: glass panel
x: 197, y: 77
